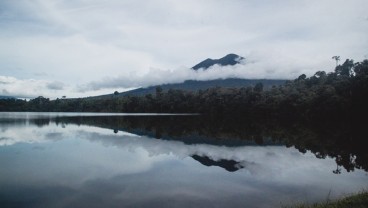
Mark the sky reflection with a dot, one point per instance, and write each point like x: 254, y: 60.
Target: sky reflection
x: 86, y: 166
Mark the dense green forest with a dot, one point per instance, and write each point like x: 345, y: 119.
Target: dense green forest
x: 339, y: 94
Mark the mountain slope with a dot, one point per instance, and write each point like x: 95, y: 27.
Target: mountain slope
x: 230, y: 59
x: 194, y: 85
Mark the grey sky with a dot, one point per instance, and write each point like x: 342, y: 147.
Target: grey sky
x: 81, y: 48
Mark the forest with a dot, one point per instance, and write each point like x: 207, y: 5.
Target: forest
x: 341, y: 94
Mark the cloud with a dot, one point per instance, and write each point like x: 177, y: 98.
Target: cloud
x: 5, y: 92
x: 128, y: 43
x: 55, y: 85
x: 257, y: 66
x: 26, y: 88
x: 7, y: 80
x: 31, y: 88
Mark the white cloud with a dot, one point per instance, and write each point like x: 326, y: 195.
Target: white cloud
x: 31, y: 88
x: 23, y: 88
x: 55, y: 85
x: 256, y: 66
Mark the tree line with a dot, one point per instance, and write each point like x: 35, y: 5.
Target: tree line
x: 339, y: 94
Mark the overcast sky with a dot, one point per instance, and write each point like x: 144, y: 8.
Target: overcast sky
x: 81, y: 48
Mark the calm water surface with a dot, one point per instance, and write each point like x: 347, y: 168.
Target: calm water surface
x: 120, y: 160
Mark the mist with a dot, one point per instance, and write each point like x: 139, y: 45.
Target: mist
x: 255, y: 66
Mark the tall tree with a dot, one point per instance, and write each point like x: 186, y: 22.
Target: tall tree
x: 337, y: 59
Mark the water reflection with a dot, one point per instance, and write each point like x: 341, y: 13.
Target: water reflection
x: 345, y: 143
x: 170, y: 161
x: 229, y: 165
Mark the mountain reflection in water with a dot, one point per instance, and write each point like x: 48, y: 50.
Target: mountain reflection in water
x: 79, y: 160
x: 345, y: 143
x: 229, y: 165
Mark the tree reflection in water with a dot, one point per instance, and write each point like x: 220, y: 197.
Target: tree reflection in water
x: 343, y: 142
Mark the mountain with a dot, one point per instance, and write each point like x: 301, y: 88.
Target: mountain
x: 194, y: 85
x: 229, y: 59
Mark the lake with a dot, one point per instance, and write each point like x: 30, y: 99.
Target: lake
x: 154, y: 160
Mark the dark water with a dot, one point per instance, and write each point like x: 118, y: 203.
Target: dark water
x: 115, y: 160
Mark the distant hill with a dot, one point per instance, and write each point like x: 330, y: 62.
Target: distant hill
x: 194, y: 85
x: 6, y: 97
x: 230, y: 59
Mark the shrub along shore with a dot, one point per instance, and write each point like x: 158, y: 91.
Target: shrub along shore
x: 359, y: 200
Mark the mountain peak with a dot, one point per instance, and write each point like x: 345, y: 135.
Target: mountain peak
x: 229, y: 59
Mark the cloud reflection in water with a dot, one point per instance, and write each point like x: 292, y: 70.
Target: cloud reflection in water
x: 85, y: 166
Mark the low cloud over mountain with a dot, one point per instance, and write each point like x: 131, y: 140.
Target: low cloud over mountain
x: 254, y: 66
